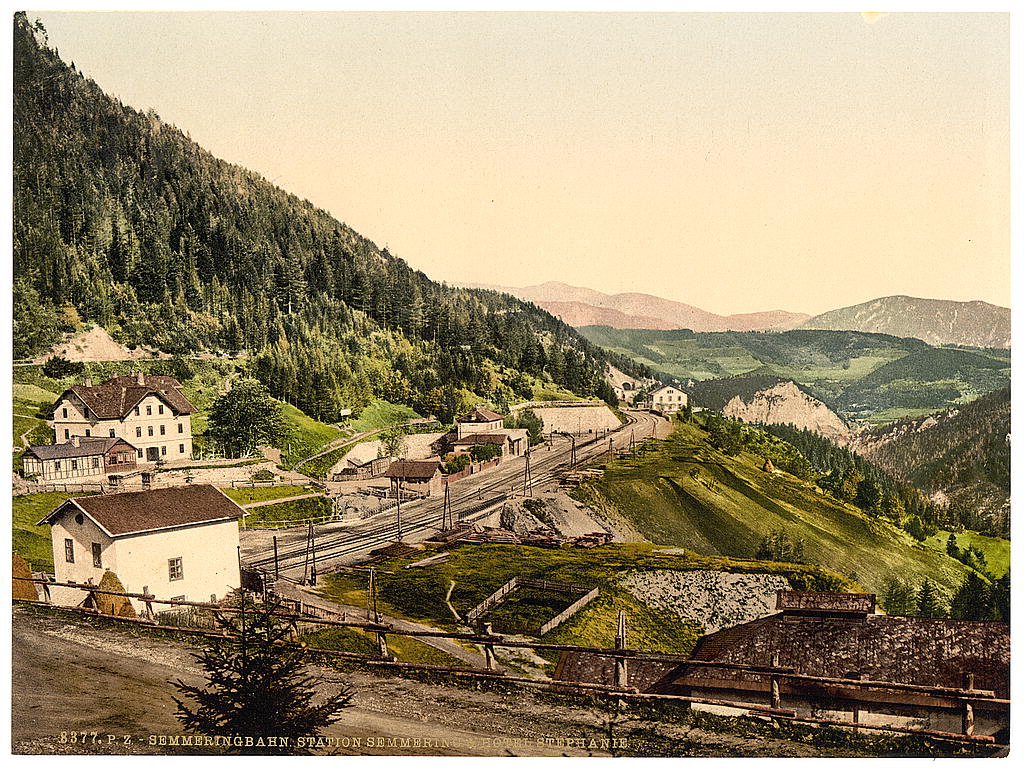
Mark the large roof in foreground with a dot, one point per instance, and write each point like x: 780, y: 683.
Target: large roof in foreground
x: 127, y: 513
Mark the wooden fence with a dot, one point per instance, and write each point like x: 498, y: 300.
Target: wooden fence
x: 506, y: 589
x: 322, y: 616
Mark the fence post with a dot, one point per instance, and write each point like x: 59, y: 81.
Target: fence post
x: 776, y: 691
x: 621, y: 676
x: 489, y: 656
x: 968, y: 719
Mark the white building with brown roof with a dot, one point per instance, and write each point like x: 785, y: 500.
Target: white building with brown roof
x: 177, y: 543
x: 80, y: 458
x: 482, y: 426
x: 148, y: 411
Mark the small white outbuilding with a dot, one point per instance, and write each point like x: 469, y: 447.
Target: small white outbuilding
x: 176, y: 543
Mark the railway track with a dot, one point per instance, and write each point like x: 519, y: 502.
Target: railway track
x: 340, y: 544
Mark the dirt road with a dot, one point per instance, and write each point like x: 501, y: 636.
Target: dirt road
x: 72, y: 676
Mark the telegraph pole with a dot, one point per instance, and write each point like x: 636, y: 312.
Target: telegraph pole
x: 277, y: 569
x: 572, y: 455
x: 447, y: 519
x: 312, y: 547
x: 527, y: 478
x: 398, y: 514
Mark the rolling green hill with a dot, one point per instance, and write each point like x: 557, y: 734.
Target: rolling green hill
x: 684, y: 493
x: 871, y: 377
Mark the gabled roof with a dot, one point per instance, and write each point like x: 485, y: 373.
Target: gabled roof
x: 665, y: 387
x: 480, y: 414
x: 87, y: 446
x: 116, y: 397
x: 412, y: 469
x: 147, y: 511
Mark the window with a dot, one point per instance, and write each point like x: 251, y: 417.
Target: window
x: 85, y: 412
x: 163, y: 430
x: 140, y: 454
x: 96, y: 462
x: 160, y: 409
x: 138, y: 432
x: 74, y: 465
x: 149, y: 410
x: 175, y: 571
x: 65, y: 412
x: 149, y: 430
x: 136, y: 411
x: 97, y: 555
x: 69, y: 550
x: 67, y: 434
x: 163, y: 450
x: 181, y: 448
x: 56, y: 465
x: 88, y: 432
x: 181, y: 428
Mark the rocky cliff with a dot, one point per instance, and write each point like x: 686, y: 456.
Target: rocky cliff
x: 785, y: 403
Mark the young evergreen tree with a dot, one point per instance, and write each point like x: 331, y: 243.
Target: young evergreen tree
x: 973, y: 601
x: 257, y: 685
x: 929, y: 603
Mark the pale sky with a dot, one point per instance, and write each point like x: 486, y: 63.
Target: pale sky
x: 737, y: 162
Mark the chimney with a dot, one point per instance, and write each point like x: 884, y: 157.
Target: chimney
x: 75, y: 441
x: 88, y: 382
x: 140, y: 378
x: 114, y: 375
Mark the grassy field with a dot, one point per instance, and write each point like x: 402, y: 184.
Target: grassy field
x: 243, y: 496
x: 31, y: 409
x: 291, y: 513
x: 381, y: 414
x: 404, y: 648
x: 997, y: 550
x: 684, y: 493
x: 306, y: 435
x: 32, y: 541
x: 419, y: 594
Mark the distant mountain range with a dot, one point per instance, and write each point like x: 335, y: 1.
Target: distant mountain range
x: 935, y: 321
x: 971, y: 323
x: 587, y: 307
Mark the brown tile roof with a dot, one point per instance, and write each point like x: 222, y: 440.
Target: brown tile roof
x: 480, y: 414
x: 150, y: 510
x: 116, y: 397
x: 88, y: 445
x: 483, y: 438
x: 412, y: 469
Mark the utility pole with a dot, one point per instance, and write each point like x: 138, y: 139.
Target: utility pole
x: 632, y: 441
x: 398, y: 513
x: 312, y: 547
x: 572, y: 454
x: 527, y: 479
x: 611, y: 451
x: 447, y: 519
x: 277, y: 569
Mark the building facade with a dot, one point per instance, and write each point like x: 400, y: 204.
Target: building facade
x: 176, y: 543
x: 148, y: 411
x: 80, y: 458
x: 667, y: 399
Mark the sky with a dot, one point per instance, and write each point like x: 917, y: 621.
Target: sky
x: 736, y: 162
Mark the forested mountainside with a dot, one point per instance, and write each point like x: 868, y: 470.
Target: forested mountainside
x: 874, y: 378
x: 122, y: 220
x: 960, y: 454
x: 935, y: 321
